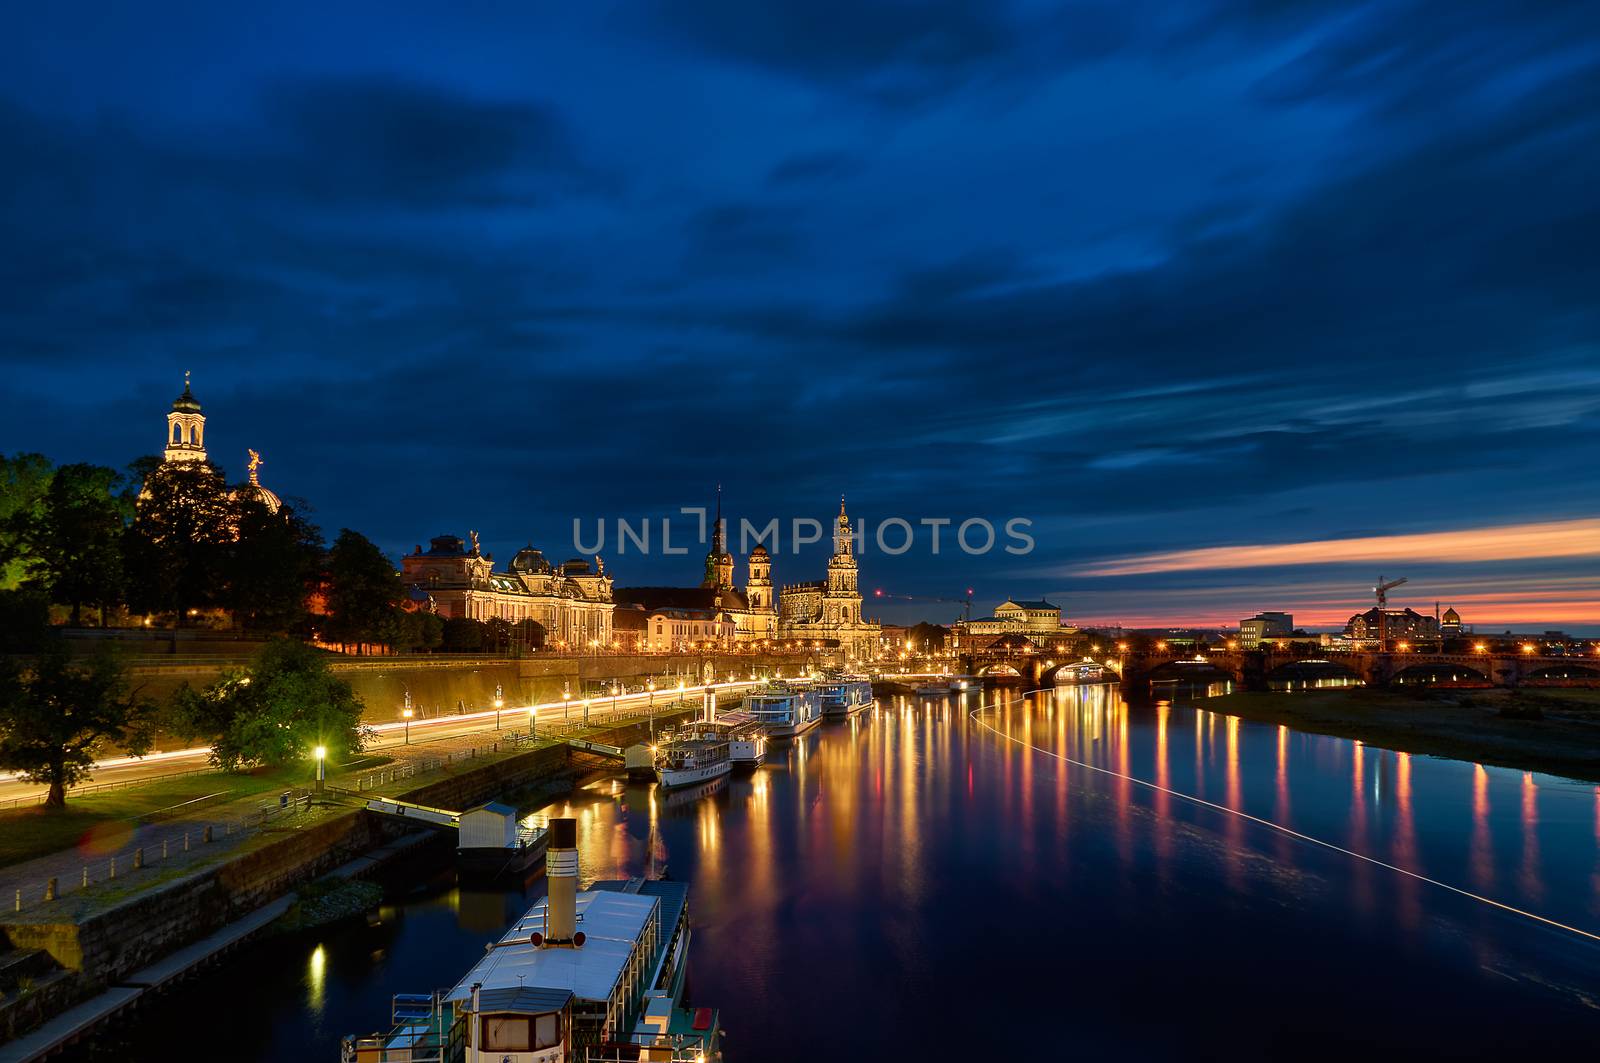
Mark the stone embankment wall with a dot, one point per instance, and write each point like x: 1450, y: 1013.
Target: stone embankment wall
x: 108, y: 945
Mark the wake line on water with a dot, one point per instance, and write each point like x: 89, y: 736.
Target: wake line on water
x: 976, y: 717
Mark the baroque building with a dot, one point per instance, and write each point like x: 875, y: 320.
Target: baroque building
x: 571, y: 601
x: 830, y: 609
x: 186, y: 442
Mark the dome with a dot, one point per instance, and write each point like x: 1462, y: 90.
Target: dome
x: 186, y: 403
x: 256, y: 493
x: 530, y: 561
x: 759, y: 551
x: 1452, y: 617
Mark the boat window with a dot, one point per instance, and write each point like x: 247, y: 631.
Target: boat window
x: 505, y: 1033
x: 547, y: 1031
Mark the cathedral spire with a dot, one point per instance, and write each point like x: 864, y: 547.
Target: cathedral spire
x: 719, y: 535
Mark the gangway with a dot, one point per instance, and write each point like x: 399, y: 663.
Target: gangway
x: 437, y: 817
x: 599, y: 749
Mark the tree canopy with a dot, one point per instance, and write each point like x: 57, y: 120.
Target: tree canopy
x: 271, y: 566
x: 363, y: 590
x: 176, y: 549
x: 24, y: 479
x: 72, y: 541
x: 275, y: 711
x: 56, y: 715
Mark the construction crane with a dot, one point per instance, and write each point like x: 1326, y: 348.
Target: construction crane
x: 1382, y: 591
x: 966, y: 602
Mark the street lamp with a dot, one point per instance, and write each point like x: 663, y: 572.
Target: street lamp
x: 533, y: 714
x: 650, y: 685
x: 499, y: 700
x: 566, y: 697
x: 407, y: 714
x: 321, y: 754
x: 586, y: 712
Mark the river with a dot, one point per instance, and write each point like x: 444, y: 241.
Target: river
x: 955, y: 880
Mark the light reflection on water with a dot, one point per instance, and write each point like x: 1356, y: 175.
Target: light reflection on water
x: 910, y: 881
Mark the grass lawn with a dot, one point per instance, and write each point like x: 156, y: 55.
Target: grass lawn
x: 1555, y: 730
x: 103, y: 818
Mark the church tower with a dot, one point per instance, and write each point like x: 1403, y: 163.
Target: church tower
x: 719, y: 563
x: 843, y: 604
x: 186, y: 427
x: 758, y: 592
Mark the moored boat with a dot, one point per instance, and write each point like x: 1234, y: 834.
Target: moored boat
x: 549, y: 992
x: 843, y: 698
x: 692, y: 758
x: 783, y: 711
x: 492, y: 840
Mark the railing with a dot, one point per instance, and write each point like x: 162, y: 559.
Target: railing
x: 174, y: 849
x: 94, y: 788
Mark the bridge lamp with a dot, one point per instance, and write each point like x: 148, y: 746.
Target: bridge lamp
x: 1527, y: 647
x: 321, y: 753
x: 1402, y: 646
x: 1122, y: 647
x: 407, y: 713
x: 1480, y: 647
x: 1233, y: 644
x: 1162, y: 646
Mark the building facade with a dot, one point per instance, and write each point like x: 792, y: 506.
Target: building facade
x: 1391, y: 624
x: 571, y: 601
x: 1271, y: 625
x: 830, y: 609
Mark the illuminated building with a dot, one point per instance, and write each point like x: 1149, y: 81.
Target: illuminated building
x: 830, y: 609
x: 1253, y: 630
x: 571, y: 601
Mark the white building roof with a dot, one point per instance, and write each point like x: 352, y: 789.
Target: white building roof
x: 611, y: 924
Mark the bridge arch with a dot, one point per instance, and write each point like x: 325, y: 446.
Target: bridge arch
x: 1565, y: 671
x: 1189, y: 668
x: 1054, y: 673
x: 1440, y: 673
x: 1313, y: 672
x: 999, y: 671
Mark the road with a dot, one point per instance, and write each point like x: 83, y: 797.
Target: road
x: 391, y: 739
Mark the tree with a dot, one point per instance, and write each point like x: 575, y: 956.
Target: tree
x: 176, y: 550
x: 462, y: 634
x: 23, y: 482
x: 926, y: 636
x: 420, y: 630
x: 24, y: 620
x: 276, y: 711
x: 55, y: 715
x: 73, y: 542
x: 271, y: 567
x: 362, y: 591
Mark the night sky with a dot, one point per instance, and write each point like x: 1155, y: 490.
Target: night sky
x: 1168, y: 280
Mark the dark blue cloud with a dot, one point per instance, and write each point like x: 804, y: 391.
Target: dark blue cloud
x: 1154, y: 277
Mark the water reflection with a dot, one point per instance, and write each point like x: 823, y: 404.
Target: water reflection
x: 875, y: 870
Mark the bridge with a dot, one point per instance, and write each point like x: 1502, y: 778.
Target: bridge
x: 1255, y: 669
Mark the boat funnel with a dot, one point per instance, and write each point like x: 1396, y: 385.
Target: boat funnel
x: 561, y: 870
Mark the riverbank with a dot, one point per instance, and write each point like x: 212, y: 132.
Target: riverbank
x: 1546, y: 730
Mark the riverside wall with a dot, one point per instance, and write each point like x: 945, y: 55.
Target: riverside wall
x: 104, y: 947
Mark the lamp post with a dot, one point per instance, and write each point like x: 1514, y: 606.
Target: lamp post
x: 499, y: 700
x: 533, y: 714
x: 321, y: 754
x: 566, y: 699
x: 406, y: 712
x: 650, y: 685
x: 586, y: 712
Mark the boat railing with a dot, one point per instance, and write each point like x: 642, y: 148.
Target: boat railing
x: 683, y: 1048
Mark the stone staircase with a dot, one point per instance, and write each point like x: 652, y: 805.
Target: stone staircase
x: 31, y: 986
